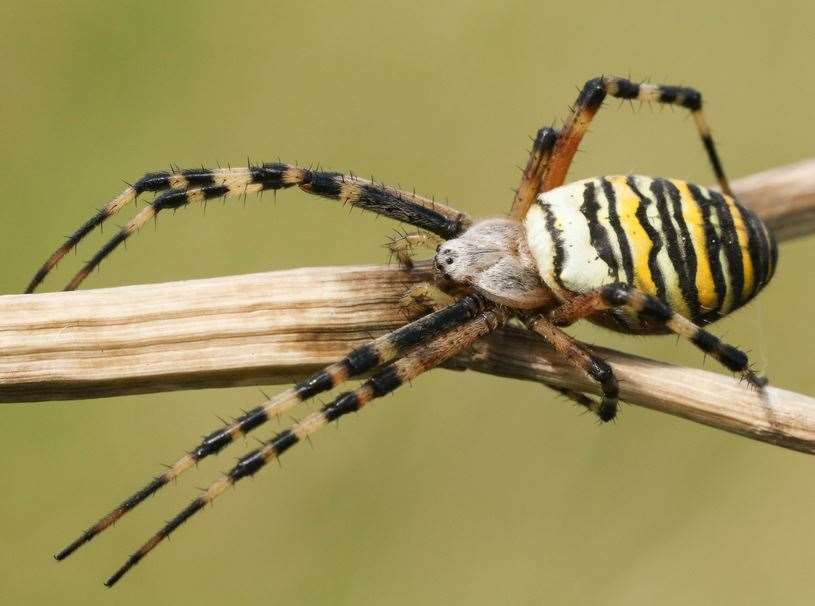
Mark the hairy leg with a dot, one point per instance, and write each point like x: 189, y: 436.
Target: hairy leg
x: 590, y: 99
x: 383, y: 382
x: 185, y: 187
x: 651, y: 308
x: 580, y: 357
x: 358, y: 362
x: 532, y: 179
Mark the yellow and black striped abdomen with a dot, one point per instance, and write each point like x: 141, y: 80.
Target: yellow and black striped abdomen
x: 697, y: 250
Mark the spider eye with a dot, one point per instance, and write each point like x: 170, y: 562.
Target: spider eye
x: 449, y: 260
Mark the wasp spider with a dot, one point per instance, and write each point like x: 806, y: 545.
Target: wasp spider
x: 635, y: 254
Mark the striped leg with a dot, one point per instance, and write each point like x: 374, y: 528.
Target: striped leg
x: 590, y: 100
x: 358, y: 362
x: 532, y: 179
x: 383, y: 382
x: 577, y: 354
x: 198, y: 185
x: 651, y: 308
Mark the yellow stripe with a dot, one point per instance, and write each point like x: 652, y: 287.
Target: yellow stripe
x: 638, y: 240
x: 692, y: 215
x: 747, y: 263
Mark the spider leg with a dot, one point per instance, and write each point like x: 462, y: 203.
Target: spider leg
x: 578, y: 355
x: 532, y: 178
x: 425, y: 296
x: 419, y: 360
x: 591, y: 98
x: 150, y: 182
x: 197, y: 185
x: 577, y: 397
x: 404, y: 245
x: 356, y: 363
x: 650, y: 308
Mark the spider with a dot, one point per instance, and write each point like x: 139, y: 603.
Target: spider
x: 631, y: 253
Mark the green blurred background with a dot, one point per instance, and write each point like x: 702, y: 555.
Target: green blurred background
x: 462, y: 489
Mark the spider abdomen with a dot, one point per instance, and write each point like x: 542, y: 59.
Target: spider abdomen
x: 695, y: 249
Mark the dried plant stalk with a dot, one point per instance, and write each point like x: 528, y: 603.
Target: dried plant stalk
x: 276, y: 327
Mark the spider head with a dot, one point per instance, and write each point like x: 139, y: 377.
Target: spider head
x: 451, y: 261
x: 464, y: 259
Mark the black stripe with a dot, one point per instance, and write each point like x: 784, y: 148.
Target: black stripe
x: 670, y: 238
x: 284, y: 440
x: 154, y: 485
x: 767, y: 246
x: 344, y: 404
x: 690, y: 291
x: 464, y: 309
x: 385, y: 381
x: 627, y: 89
x: 688, y: 98
x: 718, y: 169
x: 248, y: 465
x: 616, y: 294
x: 317, y: 383
x: 705, y: 341
x: 117, y: 239
x: 271, y: 175
x: 218, y: 439
x: 361, y: 360
x: 773, y: 254
x: 592, y: 95
x: 691, y: 99
x: 732, y: 248
x: 544, y: 141
x: 733, y: 358
x: 393, y: 205
x: 198, y: 177
x: 182, y: 517
x: 597, y: 232
x: 252, y: 419
x: 324, y: 184
x: 214, y: 191
x: 87, y: 227
x: 668, y: 94
x: 713, y: 246
x: 653, y: 235
x: 654, y: 308
x: 560, y: 253
x: 175, y: 198
x: 757, y: 248
x: 152, y: 182
x: 622, y: 237
x: 212, y: 443
x: 601, y: 372
x: 383, y: 201
x: 86, y: 536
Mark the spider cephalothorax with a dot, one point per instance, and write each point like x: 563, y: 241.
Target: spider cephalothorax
x: 636, y: 254
x: 493, y: 258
